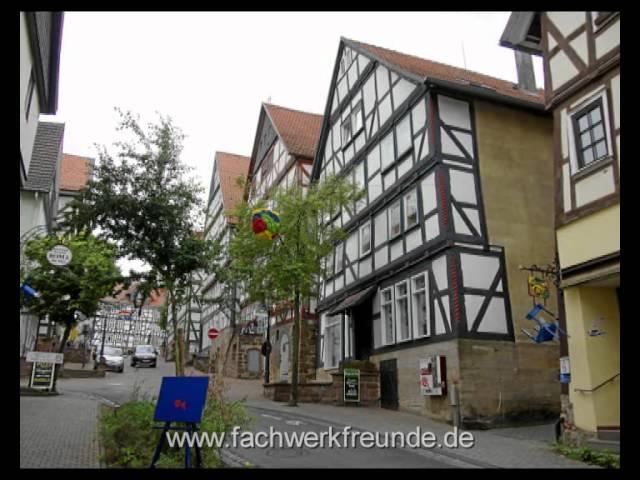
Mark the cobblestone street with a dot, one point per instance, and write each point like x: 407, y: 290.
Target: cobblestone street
x: 59, y: 432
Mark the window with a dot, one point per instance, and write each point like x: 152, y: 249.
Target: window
x: 380, y: 224
x: 419, y: 310
x: 339, y: 257
x: 332, y: 342
x: 394, y: 220
x: 589, y: 132
x: 410, y: 210
x: 403, y: 327
x: 365, y: 239
x: 387, y: 155
x: 29, y: 98
x: 352, y: 125
x: 386, y: 310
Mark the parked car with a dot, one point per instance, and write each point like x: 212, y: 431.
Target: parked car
x: 144, y: 355
x: 112, y: 358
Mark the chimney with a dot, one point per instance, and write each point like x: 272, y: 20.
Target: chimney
x: 524, y: 66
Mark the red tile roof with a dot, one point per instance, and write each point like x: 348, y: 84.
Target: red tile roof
x: 156, y: 299
x: 75, y: 172
x: 300, y: 131
x: 428, y: 68
x: 230, y: 167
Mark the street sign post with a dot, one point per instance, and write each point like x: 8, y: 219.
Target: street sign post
x: 351, y: 385
x: 59, y: 256
x: 213, y: 333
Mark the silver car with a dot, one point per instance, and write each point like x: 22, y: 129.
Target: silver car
x: 112, y: 358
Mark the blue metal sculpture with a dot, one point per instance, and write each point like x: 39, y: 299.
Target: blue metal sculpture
x: 544, y: 331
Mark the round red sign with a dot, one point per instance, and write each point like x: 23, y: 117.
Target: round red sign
x: 213, y: 333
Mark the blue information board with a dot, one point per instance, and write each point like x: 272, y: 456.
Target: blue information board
x: 182, y: 399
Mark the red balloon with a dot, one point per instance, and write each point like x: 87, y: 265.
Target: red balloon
x: 258, y: 225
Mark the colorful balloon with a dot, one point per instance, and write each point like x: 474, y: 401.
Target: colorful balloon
x: 265, y: 223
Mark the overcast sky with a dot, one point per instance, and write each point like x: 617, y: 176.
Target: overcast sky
x: 210, y: 71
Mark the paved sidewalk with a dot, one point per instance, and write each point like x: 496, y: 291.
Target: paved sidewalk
x: 59, y: 432
x: 520, y: 447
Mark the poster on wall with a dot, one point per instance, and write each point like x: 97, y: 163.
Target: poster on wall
x: 432, y: 375
x: 565, y: 370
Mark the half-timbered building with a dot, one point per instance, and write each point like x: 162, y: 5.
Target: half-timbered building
x: 218, y: 298
x: 282, y: 156
x: 459, y: 179
x: 581, y: 57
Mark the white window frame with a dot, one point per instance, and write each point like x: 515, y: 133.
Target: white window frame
x: 391, y: 208
x: 362, y: 228
x: 600, y: 93
x: 397, y: 317
x: 414, y: 314
x: 335, y: 323
x: 413, y: 192
x: 339, y: 248
x: 383, y: 322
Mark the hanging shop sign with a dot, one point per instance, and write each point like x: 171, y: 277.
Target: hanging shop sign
x: 59, y: 256
x: 351, y: 385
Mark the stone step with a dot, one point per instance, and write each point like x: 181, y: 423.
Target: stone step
x: 609, y: 434
x: 611, y: 446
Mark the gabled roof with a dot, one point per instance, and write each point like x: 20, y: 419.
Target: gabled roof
x: 45, y: 159
x: 421, y: 69
x: 298, y: 130
x: 230, y: 167
x: 156, y: 299
x: 75, y: 172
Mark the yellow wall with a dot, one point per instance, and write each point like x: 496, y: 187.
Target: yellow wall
x: 590, y: 237
x: 593, y: 359
x: 515, y: 150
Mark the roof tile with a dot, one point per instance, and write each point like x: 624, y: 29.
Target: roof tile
x: 428, y: 68
x: 75, y: 172
x: 300, y: 131
x: 47, y: 150
x: 230, y: 167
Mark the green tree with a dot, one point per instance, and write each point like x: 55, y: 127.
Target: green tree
x: 291, y: 266
x: 143, y: 199
x: 76, y: 287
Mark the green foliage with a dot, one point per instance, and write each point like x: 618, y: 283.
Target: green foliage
x: 275, y: 269
x: 129, y: 439
x: 589, y: 455
x: 78, y: 286
x: 143, y: 200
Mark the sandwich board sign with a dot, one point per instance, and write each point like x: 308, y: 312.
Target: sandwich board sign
x: 42, y: 375
x: 351, y: 385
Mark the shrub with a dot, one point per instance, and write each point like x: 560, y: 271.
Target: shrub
x: 589, y: 455
x: 129, y: 438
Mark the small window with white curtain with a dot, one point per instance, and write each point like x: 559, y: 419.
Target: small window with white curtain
x: 332, y: 341
x: 420, y: 305
x: 403, y: 316
x: 386, y: 310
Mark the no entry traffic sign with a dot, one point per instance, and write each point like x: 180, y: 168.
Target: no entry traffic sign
x: 213, y: 333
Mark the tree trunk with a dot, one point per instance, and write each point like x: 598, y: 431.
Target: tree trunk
x: 177, y: 341
x: 295, y: 341
x: 63, y: 343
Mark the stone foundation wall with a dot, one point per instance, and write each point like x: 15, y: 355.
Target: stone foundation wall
x: 331, y: 393
x: 499, y: 382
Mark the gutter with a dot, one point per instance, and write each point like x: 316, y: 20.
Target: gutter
x: 486, y: 93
